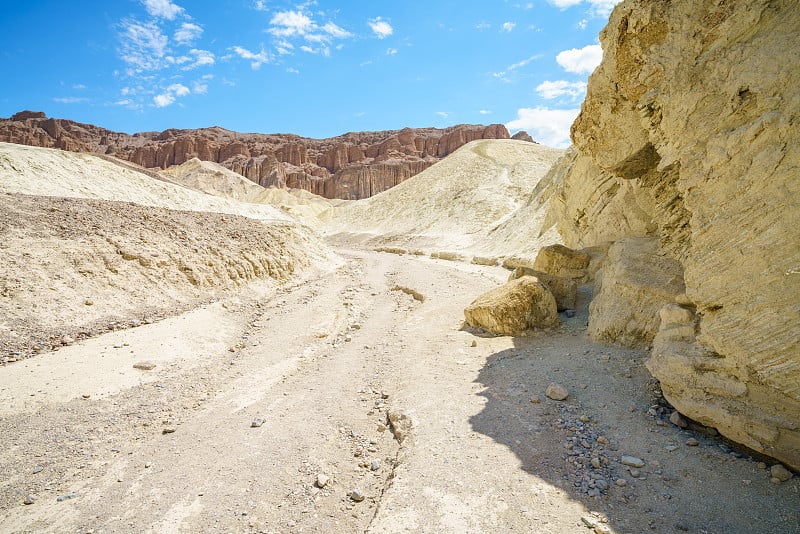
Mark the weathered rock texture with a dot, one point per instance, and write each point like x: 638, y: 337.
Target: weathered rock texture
x: 690, y: 136
x: 513, y: 309
x: 351, y: 166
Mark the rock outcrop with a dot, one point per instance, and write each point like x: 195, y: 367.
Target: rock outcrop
x: 514, y: 309
x: 690, y: 136
x: 350, y: 167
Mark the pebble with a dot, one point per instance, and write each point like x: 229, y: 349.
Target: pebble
x: 780, y: 472
x: 635, y: 473
x: 375, y: 465
x: 596, y: 463
x: 556, y: 392
x: 761, y: 465
x: 677, y: 419
x: 621, y: 482
x: 38, y: 469
x: 569, y: 313
x: 66, y: 497
x: 632, y: 461
x: 88, y: 302
x: 168, y: 430
x: 535, y: 400
x: 357, y: 495
x: 322, y: 480
x: 474, y: 343
x: 671, y: 448
x: 602, y: 440
x: 29, y: 499
x: 144, y: 366
x: 691, y: 442
x: 381, y: 427
x: 86, y: 395
x: 257, y: 423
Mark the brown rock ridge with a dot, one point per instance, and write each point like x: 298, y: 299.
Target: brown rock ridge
x: 689, y: 142
x: 350, y: 166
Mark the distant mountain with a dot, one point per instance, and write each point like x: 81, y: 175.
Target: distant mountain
x: 351, y: 166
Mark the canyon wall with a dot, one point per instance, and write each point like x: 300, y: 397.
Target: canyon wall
x: 687, y: 156
x: 351, y: 166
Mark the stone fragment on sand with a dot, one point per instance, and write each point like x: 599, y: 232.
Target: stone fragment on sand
x: 168, y: 430
x: 144, y: 366
x: 632, y: 461
x: 780, y: 472
x: 322, y: 480
x: 375, y: 464
x: 691, y: 442
x: 357, y: 495
x: 67, y: 496
x: 29, y: 499
x: 556, y: 392
x: 257, y: 422
x: 514, y: 309
x: 677, y: 419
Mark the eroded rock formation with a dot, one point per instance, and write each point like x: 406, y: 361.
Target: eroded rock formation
x: 351, y: 166
x: 690, y: 136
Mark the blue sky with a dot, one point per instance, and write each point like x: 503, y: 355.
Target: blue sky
x: 316, y: 68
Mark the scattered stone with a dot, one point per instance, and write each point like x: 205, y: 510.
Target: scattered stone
x: 381, y: 427
x: 569, y: 313
x: 257, y: 423
x: 29, y: 499
x: 86, y: 395
x: 148, y: 465
x: 535, y: 399
x: 761, y: 465
x: 596, y: 463
x: 474, y: 343
x: 66, y: 497
x: 621, y: 482
x: 384, y: 395
x: 88, y: 302
x: 322, y: 480
x: 144, y: 366
x: 375, y: 465
x: 780, y: 472
x: 632, y: 461
x: 691, y: 442
x: 38, y: 469
x: 677, y: 419
x: 168, y: 430
x: 556, y: 392
x: 67, y: 340
x: 357, y: 495
x: 671, y: 448
x: 602, y: 440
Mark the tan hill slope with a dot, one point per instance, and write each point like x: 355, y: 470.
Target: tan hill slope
x: 102, y: 247
x: 214, y: 179
x: 350, y: 166
x: 469, y: 204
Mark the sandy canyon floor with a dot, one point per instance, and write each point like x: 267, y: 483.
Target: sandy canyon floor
x: 268, y: 409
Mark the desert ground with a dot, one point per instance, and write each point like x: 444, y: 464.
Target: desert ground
x: 182, y: 354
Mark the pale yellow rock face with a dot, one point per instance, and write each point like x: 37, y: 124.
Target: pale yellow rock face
x: 514, y: 309
x: 690, y: 135
x: 565, y: 290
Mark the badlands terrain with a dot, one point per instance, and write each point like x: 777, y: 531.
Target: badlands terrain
x: 185, y: 350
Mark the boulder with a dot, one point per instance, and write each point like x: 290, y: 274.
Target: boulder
x: 514, y: 309
x: 562, y: 261
x: 565, y: 290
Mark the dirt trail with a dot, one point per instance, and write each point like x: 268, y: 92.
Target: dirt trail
x: 317, y: 367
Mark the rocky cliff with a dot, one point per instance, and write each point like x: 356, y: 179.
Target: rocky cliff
x: 687, y: 156
x: 351, y: 166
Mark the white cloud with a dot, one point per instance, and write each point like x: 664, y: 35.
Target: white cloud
x: 256, y: 59
x: 289, y: 23
x: 188, y: 33
x: 126, y: 102
x: 508, y: 26
x: 143, y: 45
x: 292, y: 70
x: 335, y: 31
x: 391, y: 51
x: 485, y: 112
x: 558, y: 88
x: 524, y: 62
x: 443, y: 114
x: 201, y: 58
x: 483, y: 26
x: 199, y: 88
x: 79, y: 86
x: 70, y: 100
x: 380, y: 27
x: 547, y: 126
x: 582, y: 24
x: 261, y: 5
x: 170, y: 94
x: 580, y: 60
x: 164, y: 9
x: 597, y: 8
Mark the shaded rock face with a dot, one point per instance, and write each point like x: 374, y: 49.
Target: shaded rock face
x: 351, y: 166
x: 690, y: 136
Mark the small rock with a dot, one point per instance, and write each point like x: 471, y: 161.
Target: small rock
x: 86, y: 395
x: 556, y: 392
x: 535, y: 399
x: 29, y: 499
x: 631, y: 461
x: 322, y: 480
x: 168, y: 430
x: 357, y: 495
x: 671, y: 448
x: 776, y: 481
x: 384, y: 395
x: 375, y: 465
x: 257, y: 423
x: 584, y: 419
x: 635, y: 473
x: 88, y: 302
x: 761, y: 465
x: 474, y: 343
x: 144, y: 366
x: 381, y: 427
x: 569, y: 313
x: 596, y: 463
x: 38, y: 469
x: 602, y: 440
x: 67, y: 340
x: 66, y: 497
x: 780, y: 472
x: 621, y: 482
x: 677, y: 419
x: 691, y: 442
x: 148, y: 465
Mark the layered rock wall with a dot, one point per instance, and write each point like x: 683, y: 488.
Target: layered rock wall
x: 690, y: 136
x: 351, y: 166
